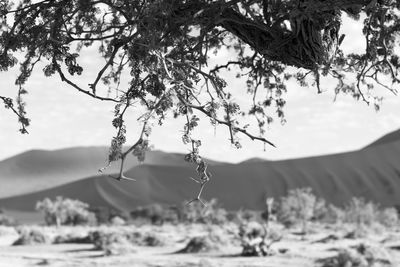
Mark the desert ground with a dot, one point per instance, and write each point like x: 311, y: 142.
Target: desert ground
x: 319, y: 247
x: 353, y: 218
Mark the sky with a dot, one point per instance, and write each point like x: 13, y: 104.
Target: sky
x: 61, y: 117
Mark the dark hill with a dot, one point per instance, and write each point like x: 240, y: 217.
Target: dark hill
x: 386, y: 139
x: 42, y: 169
x: 372, y: 173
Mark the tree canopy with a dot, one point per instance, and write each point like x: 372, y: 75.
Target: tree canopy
x: 163, y: 49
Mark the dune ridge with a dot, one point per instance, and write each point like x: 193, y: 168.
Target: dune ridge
x: 372, y: 173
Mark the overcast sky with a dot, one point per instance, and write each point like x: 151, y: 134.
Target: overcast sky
x: 62, y: 117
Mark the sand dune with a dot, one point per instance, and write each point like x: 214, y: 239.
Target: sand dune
x: 388, y: 138
x: 37, y: 170
x: 372, y: 173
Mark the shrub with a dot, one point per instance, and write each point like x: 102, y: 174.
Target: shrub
x: 333, y: 214
x: 243, y: 216
x: 200, y: 244
x: 117, y: 221
x: 269, y: 213
x: 345, y: 258
x: 72, y: 239
x: 152, y: 240
x: 6, y: 230
x: 31, y: 236
x: 320, y: 210
x: 389, y: 217
x: 256, y: 239
x: 360, y: 256
x: 6, y: 220
x: 112, y: 242
x: 196, y: 212
x: 298, y: 207
x: 360, y: 212
x: 156, y: 214
x: 367, y: 214
x: 65, y: 212
x: 104, y: 215
x: 216, y: 239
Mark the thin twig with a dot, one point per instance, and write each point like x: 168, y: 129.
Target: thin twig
x: 243, y: 131
x: 9, y: 104
x: 65, y: 79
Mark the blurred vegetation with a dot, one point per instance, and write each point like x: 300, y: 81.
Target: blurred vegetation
x: 116, y: 233
x: 7, y: 220
x: 65, y: 211
x: 32, y: 236
x: 299, y: 208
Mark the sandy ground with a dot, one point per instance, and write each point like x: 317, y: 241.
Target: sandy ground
x: 84, y: 255
x: 301, y: 252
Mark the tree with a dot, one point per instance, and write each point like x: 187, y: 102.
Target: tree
x: 163, y: 48
x: 298, y: 207
x: 65, y: 211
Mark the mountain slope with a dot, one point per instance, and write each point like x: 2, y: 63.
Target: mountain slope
x: 386, y: 139
x: 372, y: 173
x: 41, y: 169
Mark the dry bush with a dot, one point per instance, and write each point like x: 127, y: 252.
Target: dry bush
x: 196, y: 212
x: 299, y: 207
x: 112, y: 242
x: 117, y: 221
x: 360, y: 256
x: 152, y: 240
x: 199, y: 244
x: 362, y: 213
x: 117, y: 245
x: 7, y: 220
x: 65, y: 211
x: 257, y: 239
x: 216, y: 239
x: 360, y: 217
x: 104, y: 215
x: 32, y: 236
x: 71, y: 238
x: 389, y: 217
x: 7, y: 230
x: 243, y: 216
x: 333, y: 215
x: 156, y: 214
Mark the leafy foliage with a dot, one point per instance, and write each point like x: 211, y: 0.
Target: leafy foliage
x: 363, y: 213
x: 105, y: 215
x: 194, y: 213
x: 64, y: 211
x: 163, y: 49
x: 211, y: 214
x: 297, y: 207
